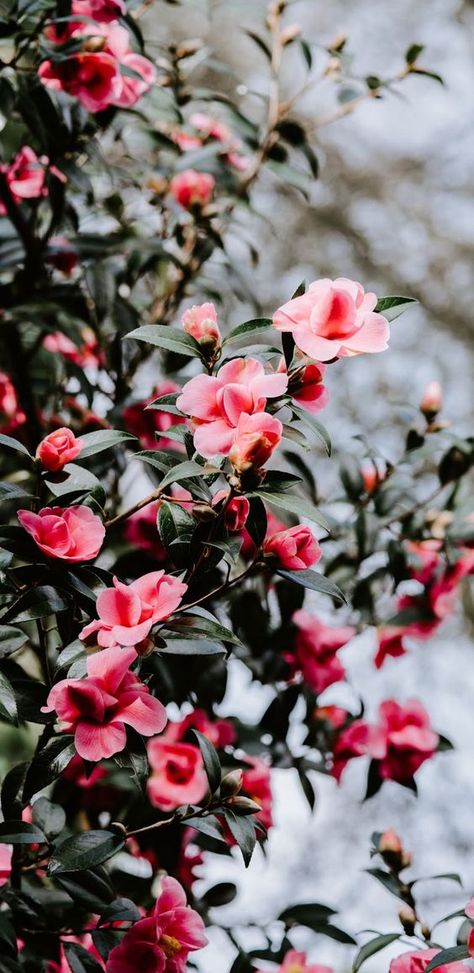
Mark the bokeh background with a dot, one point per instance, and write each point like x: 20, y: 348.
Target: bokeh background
x: 394, y: 208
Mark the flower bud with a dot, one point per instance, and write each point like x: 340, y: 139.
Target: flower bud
x: 231, y: 783
x: 243, y: 805
x: 57, y: 449
x: 187, y: 48
x: 200, y: 321
x: 425, y: 931
x: 432, y: 401
x: 407, y: 917
x: 339, y: 43
x: 389, y: 843
x: 95, y: 44
x: 290, y: 34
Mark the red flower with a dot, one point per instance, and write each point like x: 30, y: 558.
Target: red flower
x: 220, y: 732
x: 390, y: 644
x: 256, y: 438
x: 354, y: 741
x: 236, y: 512
x: 57, y: 449
x: 162, y: 942
x: 141, y: 531
x: 11, y: 415
x: 315, y: 650
x: 403, y: 740
x: 257, y: 784
x: 91, y: 76
x: 98, y: 707
x: 71, y: 533
x: 296, y: 962
x: 178, y: 775
x: 191, y: 188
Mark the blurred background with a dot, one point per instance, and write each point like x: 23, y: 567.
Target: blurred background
x: 394, y: 208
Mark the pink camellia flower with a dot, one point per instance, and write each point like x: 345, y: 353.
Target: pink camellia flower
x: 162, y: 942
x: 200, y: 321
x: 256, y: 438
x: 353, y: 741
x: 216, y: 403
x: 151, y: 425
x: 177, y: 774
x: 11, y: 415
x: 335, y: 318
x: 98, y: 708
x: 219, y: 731
x: 257, y: 785
x: 296, y: 962
x: 5, y: 863
x: 127, y: 613
x: 57, y: 449
x: 213, y: 129
x: 306, y: 385
x: 236, y: 512
x: 87, y: 353
x: 403, y: 739
x: 294, y: 548
x: 190, y: 859
x: 274, y: 524
x: 315, y: 650
x: 469, y: 910
x: 191, y: 188
x: 418, y: 960
x: 26, y: 175
x: 71, y: 533
x: 141, y: 531
x: 93, y: 77
x: 389, y: 644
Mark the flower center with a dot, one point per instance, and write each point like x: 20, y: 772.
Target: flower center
x: 172, y: 946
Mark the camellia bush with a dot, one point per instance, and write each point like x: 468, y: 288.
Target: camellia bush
x: 161, y: 504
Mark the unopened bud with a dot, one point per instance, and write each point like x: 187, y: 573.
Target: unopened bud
x: 200, y: 321
x: 157, y: 184
x: 425, y: 931
x: 231, y: 783
x: 406, y: 859
x: 407, y: 917
x: 290, y: 34
x: 338, y: 44
x: 243, y: 805
x: 389, y: 842
x: 187, y: 48
x: 432, y: 401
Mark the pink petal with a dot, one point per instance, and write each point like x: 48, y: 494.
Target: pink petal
x: 144, y: 713
x: 110, y: 666
x: 119, y: 605
x: 198, y: 397
x: 97, y: 742
x: 373, y: 336
x: 213, y: 438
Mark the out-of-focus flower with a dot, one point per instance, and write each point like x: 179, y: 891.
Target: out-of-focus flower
x: 26, y: 175
x: 70, y: 533
x: 306, y: 385
x: 296, y: 962
x: 177, y: 774
x: 403, y: 740
x: 191, y: 188
x: 257, y: 785
x: 432, y: 401
x: 335, y: 318
x: 315, y: 650
x: 11, y: 415
x: 87, y: 353
x: 141, y: 531
x: 151, y: 425
x: 353, y: 741
x: 418, y: 960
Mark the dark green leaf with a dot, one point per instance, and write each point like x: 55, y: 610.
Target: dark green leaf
x: 307, y: 914
x: 167, y: 339
x: 9, y: 443
x: 48, y: 764
x: 20, y: 833
x: 392, y: 307
x: 49, y: 817
x: 304, y: 416
x: 315, y: 581
x: 96, y: 442
x: 120, y: 910
x: 211, y: 761
x: 81, y: 960
x: 372, y: 947
x: 220, y: 894
x: 255, y: 326
x: 243, y: 830
x: 8, y: 707
x: 11, y: 639
x: 84, y: 850
x: 36, y: 603
x: 294, y: 505
x: 451, y: 955
x: 413, y: 52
